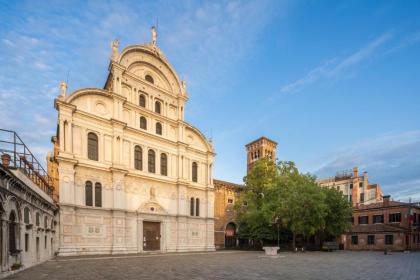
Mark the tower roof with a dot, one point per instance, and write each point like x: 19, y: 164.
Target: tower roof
x: 260, y: 139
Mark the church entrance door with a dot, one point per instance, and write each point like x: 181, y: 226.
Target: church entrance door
x: 151, y: 236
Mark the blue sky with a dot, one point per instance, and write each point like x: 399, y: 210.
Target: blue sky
x: 335, y: 83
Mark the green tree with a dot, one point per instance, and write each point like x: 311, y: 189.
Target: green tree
x: 301, y: 207
x: 279, y: 195
x: 339, y: 211
x: 256, y: 217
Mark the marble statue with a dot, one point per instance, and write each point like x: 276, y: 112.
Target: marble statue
x: 114, y: 47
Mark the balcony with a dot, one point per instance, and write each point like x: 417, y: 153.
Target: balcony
x: 16, y: 155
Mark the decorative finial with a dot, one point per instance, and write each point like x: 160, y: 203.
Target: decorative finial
x: 154, y: 36
x: 114, y: 48
x: 63, y: 89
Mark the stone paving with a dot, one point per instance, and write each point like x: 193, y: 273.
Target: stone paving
x: 232, y: 265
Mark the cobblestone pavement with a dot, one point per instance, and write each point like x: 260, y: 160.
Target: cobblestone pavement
x: 232, y: 265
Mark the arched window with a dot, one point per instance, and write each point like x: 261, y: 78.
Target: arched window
x: 143, y: 123
x: 26, y: 215
x: 88, y: 194
x: 98, y: 195
x: 157, y: 107
x: 142, y: 100
x: 92, y: 146
x: 149, y: 79
x: 163, y: 164
x: 197, y: 207
x: 12, y: 231
x: 159, y: 128
x: 37, y: 219
x: 45, y: 222
x: 192, y: 206
x: 138, y: 158
x: 194, y: 171
x: 151, y: 161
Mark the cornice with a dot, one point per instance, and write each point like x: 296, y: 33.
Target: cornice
x: 118, y: 169
x: 66, y: 159
x: 108, y: 209
x: 132, y: 105
x: 155, y: 177
x: 118, y: 122
x: 60, y: 102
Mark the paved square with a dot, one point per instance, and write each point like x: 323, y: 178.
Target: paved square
x: 232, y: 265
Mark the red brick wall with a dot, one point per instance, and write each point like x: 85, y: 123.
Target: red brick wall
x: 399, y: 242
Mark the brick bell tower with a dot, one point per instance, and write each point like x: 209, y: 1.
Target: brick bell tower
x: 260, y: 148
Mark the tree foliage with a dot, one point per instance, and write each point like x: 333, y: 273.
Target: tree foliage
x: 278, y: 195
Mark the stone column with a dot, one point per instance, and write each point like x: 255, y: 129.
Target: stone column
x: 139, y: 238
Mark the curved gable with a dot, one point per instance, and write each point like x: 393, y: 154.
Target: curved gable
x: 141, y: 60
x: 141, y: 69
x: 196, y: 139
x: 94, y: 101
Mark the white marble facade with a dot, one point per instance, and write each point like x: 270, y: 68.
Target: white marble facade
x: 128, y: 197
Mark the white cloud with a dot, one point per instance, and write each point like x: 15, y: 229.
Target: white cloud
x: 333, y: 67
x: 40, y: 65
x: 392, y: 160
x: 310, y: 78
x: 8, y: 43
x: 42, y: 120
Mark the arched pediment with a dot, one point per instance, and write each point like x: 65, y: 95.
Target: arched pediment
x: 87, y: 91
x: 152, y: 206
x: 138, y: 59
x: 141, y: 69
x: 95, y: 101
x: 197, y: 140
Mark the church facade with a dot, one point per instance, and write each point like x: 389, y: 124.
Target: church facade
x: 133, y: 176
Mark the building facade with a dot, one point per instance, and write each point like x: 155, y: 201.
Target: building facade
x: 355, y: 187
x: 133, y: 176
x: 387, y: 225
x: 225, y: 223
x: 28, y: 212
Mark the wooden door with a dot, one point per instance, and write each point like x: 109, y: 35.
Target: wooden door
x: 151, y: 236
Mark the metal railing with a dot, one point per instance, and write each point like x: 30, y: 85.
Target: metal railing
x: 22, y: 158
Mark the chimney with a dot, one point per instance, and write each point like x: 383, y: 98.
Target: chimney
x: 365, y: 175
x: 386, y: 199
x: 355, y: 172
x: 5, y: 160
